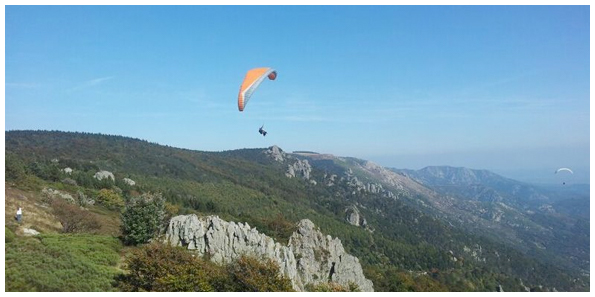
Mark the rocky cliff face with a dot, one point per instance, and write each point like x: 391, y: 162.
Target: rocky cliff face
x: 309, y: 258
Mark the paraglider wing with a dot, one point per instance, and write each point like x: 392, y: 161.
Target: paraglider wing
x: 564, y: 169
x: 252, y: 80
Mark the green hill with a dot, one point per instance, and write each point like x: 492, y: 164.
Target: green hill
x: 401, y: 248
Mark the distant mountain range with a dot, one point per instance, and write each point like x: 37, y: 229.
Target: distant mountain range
x: 459, y: 229
x: 550, y: 221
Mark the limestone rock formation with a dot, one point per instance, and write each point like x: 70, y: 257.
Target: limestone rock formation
x: 276, y: 153
x: 353, y: 217
x: 301, y: 168
x: 309, y: 258
x: 322, y: 258
x: 104, y: 174
x: 50, y: 193
x: 129, y: 181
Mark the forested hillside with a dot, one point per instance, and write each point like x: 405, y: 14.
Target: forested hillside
x: 400, y: 247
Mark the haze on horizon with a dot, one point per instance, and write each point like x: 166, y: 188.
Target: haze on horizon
x: 502, y: 88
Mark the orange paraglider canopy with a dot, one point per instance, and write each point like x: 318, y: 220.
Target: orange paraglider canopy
x: 252, y: 80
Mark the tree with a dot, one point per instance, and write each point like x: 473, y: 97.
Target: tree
x: 143, y: 218
x: 15, y: 168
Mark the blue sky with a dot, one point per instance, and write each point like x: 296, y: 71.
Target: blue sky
x: 504, y: 88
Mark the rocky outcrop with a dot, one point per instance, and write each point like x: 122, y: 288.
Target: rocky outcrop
x: 353, y: 217
x: 276, y: 153
x: 322, y: 258
x: 129, y: 181
x: 104, y: 174
x: 301, y: 168
x: 30, y: 232
x: 49, y: 193
x: 309, y: 258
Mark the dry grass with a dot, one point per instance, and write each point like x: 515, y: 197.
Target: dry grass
x: 39, y: 215
x: 36, y: 215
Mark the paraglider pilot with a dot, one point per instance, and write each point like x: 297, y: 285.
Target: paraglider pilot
x: 261, y: 131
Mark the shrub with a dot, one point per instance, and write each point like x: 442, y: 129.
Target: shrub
x: 251, y: 275
x: 110, y: 199
x: 73, y: 218
x: 143, y: 218
x: 161, y: 267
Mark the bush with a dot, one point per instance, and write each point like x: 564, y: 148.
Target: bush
x: 159, y: 267
x: 143, y: 218
x: 73, y: 218
x: 163, y: 268
x: 110, y: 199
x: 251, y: 275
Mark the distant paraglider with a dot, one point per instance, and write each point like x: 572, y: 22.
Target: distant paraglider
x: 564, y: 169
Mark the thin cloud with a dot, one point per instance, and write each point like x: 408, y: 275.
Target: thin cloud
x: 23, y: 85
x: 90, y: 83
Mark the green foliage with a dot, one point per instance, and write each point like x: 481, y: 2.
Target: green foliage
x: 9, y: 235
x: 248, y: 274
x: 110, y: 199
x: 143, y: 218
x: 409, y: 250
x: 14, y: 167
x: 61, y: 262
x: 73, y: 218
x: 162, y: 268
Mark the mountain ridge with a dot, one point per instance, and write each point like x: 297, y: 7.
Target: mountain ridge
x: 404, y: 218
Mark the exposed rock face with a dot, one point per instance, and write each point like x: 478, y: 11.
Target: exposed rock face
x: 276, y: 153
x: 104, y: 174
x: 301, y: 168
x: 309, y: 258
x: 353, y: 217
x: 322, y: 258
x: 360, y: 186
x: 129, y: 181
x: 52, y: 193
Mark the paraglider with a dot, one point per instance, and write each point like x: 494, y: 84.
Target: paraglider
x: 261, y: 131
x: 253, y: 79
x: 564, y: 169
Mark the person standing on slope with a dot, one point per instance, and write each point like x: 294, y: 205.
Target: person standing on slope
x: 19, y: 216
